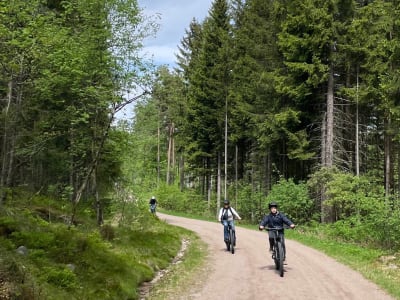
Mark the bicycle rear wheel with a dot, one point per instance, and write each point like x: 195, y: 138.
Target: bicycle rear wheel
x: 280, y: 258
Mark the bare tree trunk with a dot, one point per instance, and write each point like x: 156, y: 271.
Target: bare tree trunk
x: 236, y: 174
x: 329, y: 121
x: 323, y: 140
x: 388, y: 161
x: 158, y: 155
x: 181, y: 172
x: 219, y: 182
x: 268, y: 171
x: 99, y: 209
x: 209, y: 192
x: 173, y: 171
x: 357, y: 133
x: 169, y: 155
x: 5, y: 150
x: 327, y: 144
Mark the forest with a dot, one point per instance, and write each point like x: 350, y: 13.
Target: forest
x: 293, y: 101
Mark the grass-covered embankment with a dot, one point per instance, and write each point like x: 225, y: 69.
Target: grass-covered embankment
x: 84, y: 261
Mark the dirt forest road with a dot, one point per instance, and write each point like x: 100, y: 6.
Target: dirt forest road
x: 249, y: 274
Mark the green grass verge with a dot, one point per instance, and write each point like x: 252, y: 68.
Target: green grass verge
x: 83, y: 261
x: 183, y: 277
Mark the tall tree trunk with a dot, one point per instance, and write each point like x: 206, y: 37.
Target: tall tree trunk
x: 236, y: 173
x: 323, y: 140
x: 169, y: 154
x: 181, y: 172
x: 388, y: 155
x: 268, y: 171
x: 98, y: 206
x: 357, y: 150
x: 327, y: 146
x: 158, y: 155
x: 329, y: 120
x: 5, y: 150
x: 218, y: 181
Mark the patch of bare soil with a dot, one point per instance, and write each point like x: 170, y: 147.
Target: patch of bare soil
x: 250, y: 272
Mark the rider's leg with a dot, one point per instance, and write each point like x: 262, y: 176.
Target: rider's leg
x: 283, y: 245
x: 226, y: 232
x: 232, y: 224
x: 271, y: 240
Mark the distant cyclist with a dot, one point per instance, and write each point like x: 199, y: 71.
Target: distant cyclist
x: 226, y: 216
x: 275, y: 219
x: 153, y: 204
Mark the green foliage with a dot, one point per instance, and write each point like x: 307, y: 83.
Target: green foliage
x: 171, y: 198
x: 248, y: 203
x: 354, y: 196
x: 364, y: 215
x: 293, y: 200
x: 82, y: 262
x: 63, y: 278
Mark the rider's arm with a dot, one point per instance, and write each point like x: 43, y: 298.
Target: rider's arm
x: 220, y: 215
x: 235, y: 213
x: 287, y: 221
x: 263, y: 223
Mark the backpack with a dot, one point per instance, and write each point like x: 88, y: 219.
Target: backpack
x: 225, y: 213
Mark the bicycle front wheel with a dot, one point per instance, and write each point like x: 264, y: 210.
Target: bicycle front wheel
x: 280, y: 258
x: 232, y: 239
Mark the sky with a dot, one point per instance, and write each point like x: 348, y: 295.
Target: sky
x: 175, y: 18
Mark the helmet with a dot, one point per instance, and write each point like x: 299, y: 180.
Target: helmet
x: 226, y: 202
x: 272, y: 204
x: 153, y: 197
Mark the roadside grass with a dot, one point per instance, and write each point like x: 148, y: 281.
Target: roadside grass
x: 84, y: 261
x: 183, y: 277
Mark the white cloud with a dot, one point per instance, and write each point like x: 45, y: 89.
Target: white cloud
x: 176, y: 16
x: 162, y: 54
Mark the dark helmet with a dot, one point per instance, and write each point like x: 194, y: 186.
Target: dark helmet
x: 272, y: 204
x: 226, y: 202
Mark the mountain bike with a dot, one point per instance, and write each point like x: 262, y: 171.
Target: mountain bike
x: 278, y: 250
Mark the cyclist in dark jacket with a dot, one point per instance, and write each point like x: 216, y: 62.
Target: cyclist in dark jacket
x: 275, y: 219
x: 153, y: 204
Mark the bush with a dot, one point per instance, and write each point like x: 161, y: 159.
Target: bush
x: 294, y: 201
x: 63, y: 278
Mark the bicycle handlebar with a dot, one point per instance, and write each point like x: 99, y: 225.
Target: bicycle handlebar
x: 277, y: 228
